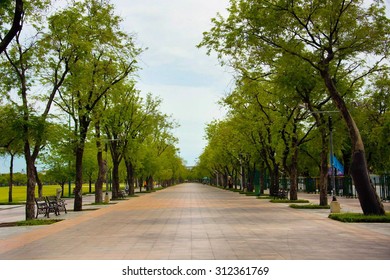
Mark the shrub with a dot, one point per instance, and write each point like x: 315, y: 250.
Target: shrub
x: 360, y: 218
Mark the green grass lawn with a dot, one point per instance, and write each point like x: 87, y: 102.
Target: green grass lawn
x: 19, y: 192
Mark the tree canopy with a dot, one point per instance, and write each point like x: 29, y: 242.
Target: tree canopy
x: 336, y: 43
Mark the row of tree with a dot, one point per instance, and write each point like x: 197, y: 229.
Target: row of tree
x: 68, y: 83
x: 303, y: 69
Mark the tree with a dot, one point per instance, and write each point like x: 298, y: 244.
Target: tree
x: 256, y: 105
x: 171, y: 167
x: 10, y: 139
x: 23, y: 71
x: 16, y: 26
x: 102, y: 164
x: 302, y: 85
x: 156, y: 144
x: 90, y: 165
x: 373, y: 116
x: 106, y: 56
x: 227, y: 154
x: 119, y: 125
x: 331, y: 36
x: 149, y: 135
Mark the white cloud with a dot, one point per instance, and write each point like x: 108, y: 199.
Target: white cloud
x: 189, y: 82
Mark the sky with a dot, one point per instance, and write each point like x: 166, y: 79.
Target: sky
x: 189, y: 82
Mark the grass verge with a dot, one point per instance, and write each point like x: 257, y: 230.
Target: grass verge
x: 38, y: 222
x: 249, y: 193
x: 309, y: 206
x: 360, y: 218
x: 264, y: 197
x: 289, y: 201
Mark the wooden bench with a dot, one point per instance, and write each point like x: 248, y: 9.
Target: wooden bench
x: 281, y: 194
x: 52, y: 205
x: 42, y: 207
x: 122, y: 194
x: 56, y: 204
x: 48, y: 205
x: 61, y: 203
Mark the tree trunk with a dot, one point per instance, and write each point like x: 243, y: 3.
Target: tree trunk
x: 30, y: 201
x: 262, y: 179
x: 139, y: 182
x: 235, y: 178
x: 39, y: 182
x: 323, y: 181
x: 11, y: 179
x: 294, y: 174
x: 149, y: 183
x: 16, y: 25
x: 251, y: 177
x: 115, y: 179
x: 90, y: 184
x: 130, y: 176
x: 78, y: 193
x: 102, y: 167
x: 62, y: 185
x: 369, y: 200
x: 274, y: 178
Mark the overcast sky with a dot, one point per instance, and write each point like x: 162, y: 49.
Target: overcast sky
x: 189, y: 82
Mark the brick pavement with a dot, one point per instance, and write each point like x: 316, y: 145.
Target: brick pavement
x: 194, y: 221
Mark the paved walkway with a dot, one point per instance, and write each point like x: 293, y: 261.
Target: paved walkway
x: 194, y: 221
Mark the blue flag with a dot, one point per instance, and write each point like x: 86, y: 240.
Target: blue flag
x: 338, y: 166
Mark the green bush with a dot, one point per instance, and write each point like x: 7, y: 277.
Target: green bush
x: 360, y: 218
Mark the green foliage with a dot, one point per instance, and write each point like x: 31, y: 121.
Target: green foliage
x: 279, y: 108
x: 10, y: 137
x: 373, y: 116
x: 19, y: 179
x: 360, y: 218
